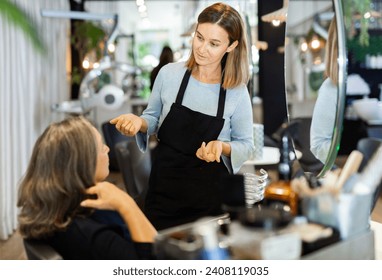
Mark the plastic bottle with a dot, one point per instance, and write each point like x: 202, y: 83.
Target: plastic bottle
x: 211, y: 248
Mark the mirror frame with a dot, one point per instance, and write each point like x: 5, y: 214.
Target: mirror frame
x: 342, y: 77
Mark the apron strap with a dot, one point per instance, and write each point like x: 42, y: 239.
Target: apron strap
x: 222, y: 95
x: 182, y: 90
x: 183, y: 87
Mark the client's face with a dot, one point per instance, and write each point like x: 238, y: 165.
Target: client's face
x: 102, y: 169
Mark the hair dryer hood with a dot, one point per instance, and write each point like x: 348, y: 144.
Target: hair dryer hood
x: 96, y: 92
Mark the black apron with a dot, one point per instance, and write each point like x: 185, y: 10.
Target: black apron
x: 183, y: 188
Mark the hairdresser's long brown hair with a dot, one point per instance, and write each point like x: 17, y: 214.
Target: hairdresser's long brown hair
x: 236, y: 70
x: 331, y: 63
x: 62, y: 166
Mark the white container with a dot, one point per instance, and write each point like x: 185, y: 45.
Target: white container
x: 367, y: 109
x: 258, y: 139
x: 349, y: 213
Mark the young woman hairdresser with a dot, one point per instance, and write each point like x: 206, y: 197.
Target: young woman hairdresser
x: 68, y: 165
x: 202, y: 114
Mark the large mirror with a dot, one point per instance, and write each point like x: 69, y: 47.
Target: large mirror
x: 315, y: 75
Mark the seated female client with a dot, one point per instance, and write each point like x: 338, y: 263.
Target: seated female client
x: 65, y: 201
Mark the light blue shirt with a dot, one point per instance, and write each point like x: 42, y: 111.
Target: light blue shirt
x: 203, y: 98
x: 324, y: 114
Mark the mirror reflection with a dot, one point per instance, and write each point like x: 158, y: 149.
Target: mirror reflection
x: 323, y: 119
x: 312, y: 78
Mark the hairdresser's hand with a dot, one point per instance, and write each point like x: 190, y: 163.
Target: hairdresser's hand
x: 129, y: 124
x: 109, y: 197
x: 210, y: 152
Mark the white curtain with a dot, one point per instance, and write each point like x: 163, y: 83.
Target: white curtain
x: 30, y: 82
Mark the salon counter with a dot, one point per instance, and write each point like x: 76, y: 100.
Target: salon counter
x: 377, y: 228
x: 365, y: 246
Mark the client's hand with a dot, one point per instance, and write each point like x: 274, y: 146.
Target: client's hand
x: 109, y: 197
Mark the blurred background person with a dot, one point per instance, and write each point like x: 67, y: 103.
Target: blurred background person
x: 166, y: 56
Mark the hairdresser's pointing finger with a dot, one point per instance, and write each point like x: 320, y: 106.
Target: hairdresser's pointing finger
x: 204, y: 150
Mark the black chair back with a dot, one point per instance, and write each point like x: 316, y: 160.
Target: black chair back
x: 38, y: 250
x: 299, y: 131
x: 112, y: 136
x: 135, y: 167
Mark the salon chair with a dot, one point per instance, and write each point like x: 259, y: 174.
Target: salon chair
x: 135, y: 167
x: 299, y: 131
x: 368, y: 146
x: 269, y: 142
x: 38, y: 250
x: 112, y: 136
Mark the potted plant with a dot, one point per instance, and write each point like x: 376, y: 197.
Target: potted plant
x: 15, y: 15
x: 355, y: 10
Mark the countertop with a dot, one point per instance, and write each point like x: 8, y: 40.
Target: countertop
x: 377, y: 228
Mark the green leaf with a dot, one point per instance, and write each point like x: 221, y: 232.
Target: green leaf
x: 361, y: 50
x: 20, y: 19
x: 87, y: 36
x: 357, y: 7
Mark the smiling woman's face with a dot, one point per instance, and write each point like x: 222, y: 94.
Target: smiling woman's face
x: 102, y: 169
x: 210, y: 43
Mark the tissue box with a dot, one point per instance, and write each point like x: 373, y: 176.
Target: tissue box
x: 349, y: 213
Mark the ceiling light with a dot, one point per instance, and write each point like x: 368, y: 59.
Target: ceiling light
x: 142, y: 9
x: 276, y: 22
x: 140, y: 2
x: 315, y: 43
x: 85, y: 64
x: 304, y: 46
x: 111, y: 48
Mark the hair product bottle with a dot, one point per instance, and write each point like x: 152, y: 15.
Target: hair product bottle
x: 279, y: 193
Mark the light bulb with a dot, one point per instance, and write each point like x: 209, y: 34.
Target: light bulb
x: 111, y: 48
x: 276, y: 22
x: 304, y: 46
x: 315, y: 43
x: 85, y: 64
